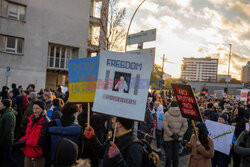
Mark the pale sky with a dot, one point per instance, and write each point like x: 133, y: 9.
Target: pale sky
x: 195, y: 28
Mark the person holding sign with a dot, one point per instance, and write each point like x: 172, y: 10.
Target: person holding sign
x: 221, y: 159
x: 121, y: 152
x: 201, y: 147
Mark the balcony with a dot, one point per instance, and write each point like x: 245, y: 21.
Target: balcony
x: 59, y: 56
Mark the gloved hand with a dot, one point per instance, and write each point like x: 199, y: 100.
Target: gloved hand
x: 113, y: 150
x: 175, y: 137
x: 89, y: 132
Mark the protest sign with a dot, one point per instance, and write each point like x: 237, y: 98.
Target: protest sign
x: 82, y: 79
x: 64, y: 89
x: 123, y: 82
x: 222, y: 135
x: 219, y: 93
x: 243, y: 94
x: 187, y: 102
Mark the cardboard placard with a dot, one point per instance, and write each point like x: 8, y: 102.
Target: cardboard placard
x: 187, y: 101
x: 243, y: 94
x: 123, y: 83
x: 222, y: 135
x: 83, y: 75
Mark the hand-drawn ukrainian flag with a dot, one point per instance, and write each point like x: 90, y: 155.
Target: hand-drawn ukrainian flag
x: 83, y: 75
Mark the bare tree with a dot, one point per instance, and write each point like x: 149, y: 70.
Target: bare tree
x: 112, y: 31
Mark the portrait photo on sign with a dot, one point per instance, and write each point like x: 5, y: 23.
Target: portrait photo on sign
x: 121, y: 82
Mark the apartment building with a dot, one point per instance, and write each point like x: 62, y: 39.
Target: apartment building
x: 245, y: 72
x: 38, y: 37
x: 199, y: 69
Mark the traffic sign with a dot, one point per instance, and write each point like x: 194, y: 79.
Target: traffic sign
x: 8, y: 69
x: 149, y: 51
x: 144, y: 36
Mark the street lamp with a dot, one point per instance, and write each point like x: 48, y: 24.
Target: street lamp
x: 230, y: 45
x: 131, y: 22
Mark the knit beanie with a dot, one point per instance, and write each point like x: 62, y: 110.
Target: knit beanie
x: 202, y: 127
x: 7, y: 102
x: 40, y: 103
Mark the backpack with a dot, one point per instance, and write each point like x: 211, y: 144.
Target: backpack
x: 71, y: 132
x: 147, y: 160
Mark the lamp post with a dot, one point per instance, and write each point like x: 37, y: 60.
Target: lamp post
x: 229, y: 60
x: 131, y: 22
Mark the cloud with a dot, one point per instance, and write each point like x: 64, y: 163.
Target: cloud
x: 246, y: 35
x: 182, y: 3
x: 209, y: 34
x: 217, y: 3
x: 241, y: 8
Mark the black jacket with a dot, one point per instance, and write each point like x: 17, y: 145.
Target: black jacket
x: 240, y: 125
x: 147, y: 125
x: 66, y: 121
x: 242, y: 148
x: 131, y: 155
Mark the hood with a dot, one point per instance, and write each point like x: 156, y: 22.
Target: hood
x: 174, y: 111
x: 8, y: 109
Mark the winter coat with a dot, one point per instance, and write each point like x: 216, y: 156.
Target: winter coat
x: 56, y: 113
x: 148, y: 123
x: 159, y: 113
x: 7, y: 126
x: 15, y: 92
x: 35, y: 137
x: 174, y: 123
x: 199, y: 156
x: 66, y: 121
x: 27, y: 113
x: 240, y: 125
x: 130, y: 154
x: 242, y: 148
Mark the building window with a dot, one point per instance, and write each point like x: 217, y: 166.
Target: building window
x: 11, y: 44
x: 16, y: 11
x: 59, y: 56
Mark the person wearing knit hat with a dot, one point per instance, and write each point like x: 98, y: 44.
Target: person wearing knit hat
x: 35, y: 132
x: 201, y: 147
x: 7, y: 127
x: 220, y: 158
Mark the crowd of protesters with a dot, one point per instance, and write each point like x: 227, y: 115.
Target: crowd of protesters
x: 41, y: 128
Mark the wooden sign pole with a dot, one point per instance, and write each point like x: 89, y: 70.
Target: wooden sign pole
x: 114, y: 132
x: 88, y: 119
x: 193, y: 124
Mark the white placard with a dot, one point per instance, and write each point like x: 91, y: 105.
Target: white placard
x: 247, y: 126
x: 64, y: 89
x: 144, y: 36
x: 222, y: 135
x: 243, y: 94
x: 219, y: 93
x: 123, y: 83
